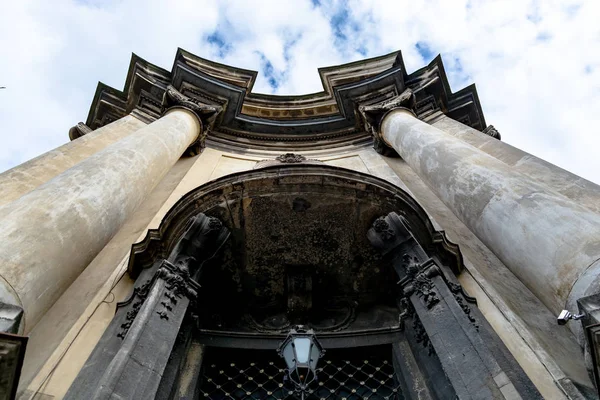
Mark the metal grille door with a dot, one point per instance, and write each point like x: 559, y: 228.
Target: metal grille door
x: 348, y: 374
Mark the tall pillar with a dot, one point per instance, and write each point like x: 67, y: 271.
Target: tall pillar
x: 547, y: 240
x: 23, y: 178
x: 52, y: 233
x: 576, y: 188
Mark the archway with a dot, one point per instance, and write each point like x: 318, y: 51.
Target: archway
x: 239, y: 261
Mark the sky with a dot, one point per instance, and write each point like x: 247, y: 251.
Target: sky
x: 536, y: 64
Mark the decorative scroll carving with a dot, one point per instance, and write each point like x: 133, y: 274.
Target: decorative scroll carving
x: 79, y: 130
x: 493, y: 132
x: 291, y: 158
x: 408, y: 312
x: 372, y: 115
x: 205, y: 112
x: 287, y: 158
x: 178, y: 283
x: 138, y: 297
x: 418, y: 279
x: 460, y: 296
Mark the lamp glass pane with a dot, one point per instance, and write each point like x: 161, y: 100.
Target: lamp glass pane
x: 288, y: 356
x: 302, y: 349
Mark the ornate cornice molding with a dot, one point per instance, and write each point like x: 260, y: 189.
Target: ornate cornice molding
x: 257, y: 120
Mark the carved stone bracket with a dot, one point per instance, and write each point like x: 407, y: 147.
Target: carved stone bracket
x: 372, y: 115
x: 493, y: 132
x: 206, y: 113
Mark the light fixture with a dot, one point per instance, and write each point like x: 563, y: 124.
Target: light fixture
x: 301, y: 351
x: 566, y: 315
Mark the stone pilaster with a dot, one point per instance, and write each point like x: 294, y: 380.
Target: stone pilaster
x: 150, y: 319
x: 547, y: 240
x: 52, y: 233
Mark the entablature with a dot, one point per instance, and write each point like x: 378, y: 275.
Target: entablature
x: 251, y: 120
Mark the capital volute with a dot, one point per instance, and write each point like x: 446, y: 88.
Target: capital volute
x: 206, y: 113
x: 373, y: 114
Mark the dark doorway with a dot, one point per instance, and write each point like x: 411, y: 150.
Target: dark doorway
x: 352, y: 374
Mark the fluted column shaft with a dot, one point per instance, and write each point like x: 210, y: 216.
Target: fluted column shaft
x: 547, y: 240
x: 23, y: 178
x: 52, y: 233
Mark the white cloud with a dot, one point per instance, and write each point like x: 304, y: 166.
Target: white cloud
x: 536, y: 64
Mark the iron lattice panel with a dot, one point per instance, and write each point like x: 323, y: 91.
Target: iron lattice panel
x: 260, y: 375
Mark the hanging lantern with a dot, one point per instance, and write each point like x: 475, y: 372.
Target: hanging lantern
x: 301, y: 351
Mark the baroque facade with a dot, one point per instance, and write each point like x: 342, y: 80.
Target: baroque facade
x: 191, y: 228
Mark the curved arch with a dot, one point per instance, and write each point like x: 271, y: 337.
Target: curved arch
x: 215, y: 198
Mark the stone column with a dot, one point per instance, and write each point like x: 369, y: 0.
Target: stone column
x: 52, y: 233
x: 23, y: 178
x: 578, y: 189
x: 547, y: 240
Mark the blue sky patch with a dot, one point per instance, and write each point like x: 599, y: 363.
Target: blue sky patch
x: 543, y: 37
x: 267, y: 69
x: 218, y: 40
x: 338, y: 22
x: 425, y: 51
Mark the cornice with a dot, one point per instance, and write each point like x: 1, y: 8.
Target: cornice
x: 254, y: 120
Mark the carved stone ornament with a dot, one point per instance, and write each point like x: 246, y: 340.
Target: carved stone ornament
x: 290, y: 158
x: 418, y: 280
x: 493, y: 132
x: 287, y: 158
x: 460, y: 296
x: 372, y: 115
x: 383, y: 229
x: 408, y: 312
x: 207, y: 113
x: 138, y: 297
x: 177, y: 279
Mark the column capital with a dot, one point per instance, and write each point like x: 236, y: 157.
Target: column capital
x: 206, y: 113
x: 493, y: 132
x: 79, y: 130
x: 373, y: 114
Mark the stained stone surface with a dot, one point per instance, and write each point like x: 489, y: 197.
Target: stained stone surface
x: 578, y: 189
x: 25, y: 177
x: 52, y: 233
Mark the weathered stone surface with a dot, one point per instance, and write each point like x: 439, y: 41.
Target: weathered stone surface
x: 23, y: 178
x: 578, y: 189
x: 528, y: 328
x: 546, y: 239
x: 51, y: 234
